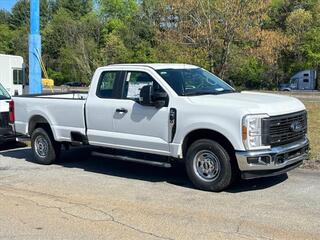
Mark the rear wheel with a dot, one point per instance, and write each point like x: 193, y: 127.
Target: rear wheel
x: 45, y: 149
x: 208, y: 165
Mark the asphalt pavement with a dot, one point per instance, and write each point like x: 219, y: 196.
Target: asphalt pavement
x: 88, y: 197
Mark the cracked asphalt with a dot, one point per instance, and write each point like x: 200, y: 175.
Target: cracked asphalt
x: 87, y: 197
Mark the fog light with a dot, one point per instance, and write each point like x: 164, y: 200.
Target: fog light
x: 263, y: 160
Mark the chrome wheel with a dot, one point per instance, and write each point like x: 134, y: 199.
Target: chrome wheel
x: 206, y: 165
x: 41, y: 146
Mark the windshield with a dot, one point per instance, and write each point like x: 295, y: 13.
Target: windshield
x: 194, y: 81
x: 3, y: 93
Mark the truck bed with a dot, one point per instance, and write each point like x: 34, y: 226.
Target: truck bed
x: 63, y: 111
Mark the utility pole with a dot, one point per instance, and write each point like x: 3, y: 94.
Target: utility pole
x: 35, y: 84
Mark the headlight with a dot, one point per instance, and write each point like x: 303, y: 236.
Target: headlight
x: 252, y: 131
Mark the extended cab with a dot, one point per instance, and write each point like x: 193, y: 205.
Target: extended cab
x: 159, y: 113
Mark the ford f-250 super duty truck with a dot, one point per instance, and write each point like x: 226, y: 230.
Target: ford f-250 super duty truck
x: 159, y: 113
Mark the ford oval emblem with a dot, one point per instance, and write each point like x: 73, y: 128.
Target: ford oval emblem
x: 296, y: 126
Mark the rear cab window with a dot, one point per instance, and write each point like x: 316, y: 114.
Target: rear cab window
x: 108, y: 84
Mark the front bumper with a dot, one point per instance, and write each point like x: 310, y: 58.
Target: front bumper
x: 274, y: 161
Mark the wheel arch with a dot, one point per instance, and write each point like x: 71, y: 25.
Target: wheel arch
x: 39, y: 121
x: 204, y: 133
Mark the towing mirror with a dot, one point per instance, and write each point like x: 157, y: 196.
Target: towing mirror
x: 146, y: 95
x: 149, y: 97
x: 160, y: 98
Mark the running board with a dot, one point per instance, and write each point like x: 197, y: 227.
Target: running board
x: 131, y: 159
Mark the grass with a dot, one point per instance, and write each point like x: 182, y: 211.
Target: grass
x: 314, y: 128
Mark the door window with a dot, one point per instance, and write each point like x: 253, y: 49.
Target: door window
x: 107, y: 84
x: 135, y: 81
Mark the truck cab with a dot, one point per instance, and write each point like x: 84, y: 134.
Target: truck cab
x: 303, y: 80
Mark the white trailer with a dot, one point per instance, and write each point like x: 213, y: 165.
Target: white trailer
x: 12, y: 74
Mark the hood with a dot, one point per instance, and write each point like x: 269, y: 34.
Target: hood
x: 252, y: 102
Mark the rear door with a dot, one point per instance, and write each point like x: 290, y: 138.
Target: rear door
x: 101, y: 107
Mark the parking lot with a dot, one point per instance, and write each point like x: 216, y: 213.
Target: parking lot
x: 86, y: 197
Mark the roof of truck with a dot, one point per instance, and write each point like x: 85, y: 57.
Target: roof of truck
x: 158, y: 66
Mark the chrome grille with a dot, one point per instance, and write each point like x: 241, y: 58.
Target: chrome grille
x: 284, y: 129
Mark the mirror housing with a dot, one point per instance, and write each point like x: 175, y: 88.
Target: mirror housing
x: 160, y: 98
x: 149, y: 97
x: 146, y: 95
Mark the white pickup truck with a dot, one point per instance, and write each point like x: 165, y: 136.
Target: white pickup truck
x: 161, y: 113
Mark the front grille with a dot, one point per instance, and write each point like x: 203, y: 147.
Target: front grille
x: 284, y: 129
x: 4, y: 120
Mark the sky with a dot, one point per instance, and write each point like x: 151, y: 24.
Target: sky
x: 7, y: 4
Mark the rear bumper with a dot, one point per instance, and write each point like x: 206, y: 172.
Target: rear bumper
x: 275, y: 161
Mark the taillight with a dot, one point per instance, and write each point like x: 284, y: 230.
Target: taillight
x: 11, y: 111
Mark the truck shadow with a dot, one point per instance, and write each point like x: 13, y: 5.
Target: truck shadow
x: 81, y: 158
x: 11, y: 145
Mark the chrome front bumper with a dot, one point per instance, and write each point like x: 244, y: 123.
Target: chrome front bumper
x: 274, y: 161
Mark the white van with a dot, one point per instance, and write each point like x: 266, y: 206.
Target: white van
x: 12, y: 74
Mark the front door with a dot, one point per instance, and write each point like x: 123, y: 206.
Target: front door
x: 141, y: 128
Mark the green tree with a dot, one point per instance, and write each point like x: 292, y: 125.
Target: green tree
x: 4, y: 17
x: 76, y: 8
x: 5, y: 39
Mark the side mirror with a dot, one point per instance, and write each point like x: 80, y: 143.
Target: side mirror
x: 149, y: 97
x: 159, y: 98
x: 146, y: 95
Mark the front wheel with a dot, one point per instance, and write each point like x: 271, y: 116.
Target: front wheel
x: 45, y: 148
x: 208, y: 165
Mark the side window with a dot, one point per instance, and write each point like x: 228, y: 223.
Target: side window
x: 134, y: 82
x: 106, y: 84
x: 17, y: 76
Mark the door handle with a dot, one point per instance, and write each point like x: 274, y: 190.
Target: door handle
x: 121, y: 110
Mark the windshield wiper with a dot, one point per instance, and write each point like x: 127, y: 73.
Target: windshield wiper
x: 226, y: 91
x: 199, y: 93
x: 207, y: 93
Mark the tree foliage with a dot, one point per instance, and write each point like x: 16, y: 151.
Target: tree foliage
x: 254, y: 43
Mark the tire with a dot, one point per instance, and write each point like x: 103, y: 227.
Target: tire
x: 45, y: 149
x: 208, y: 166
